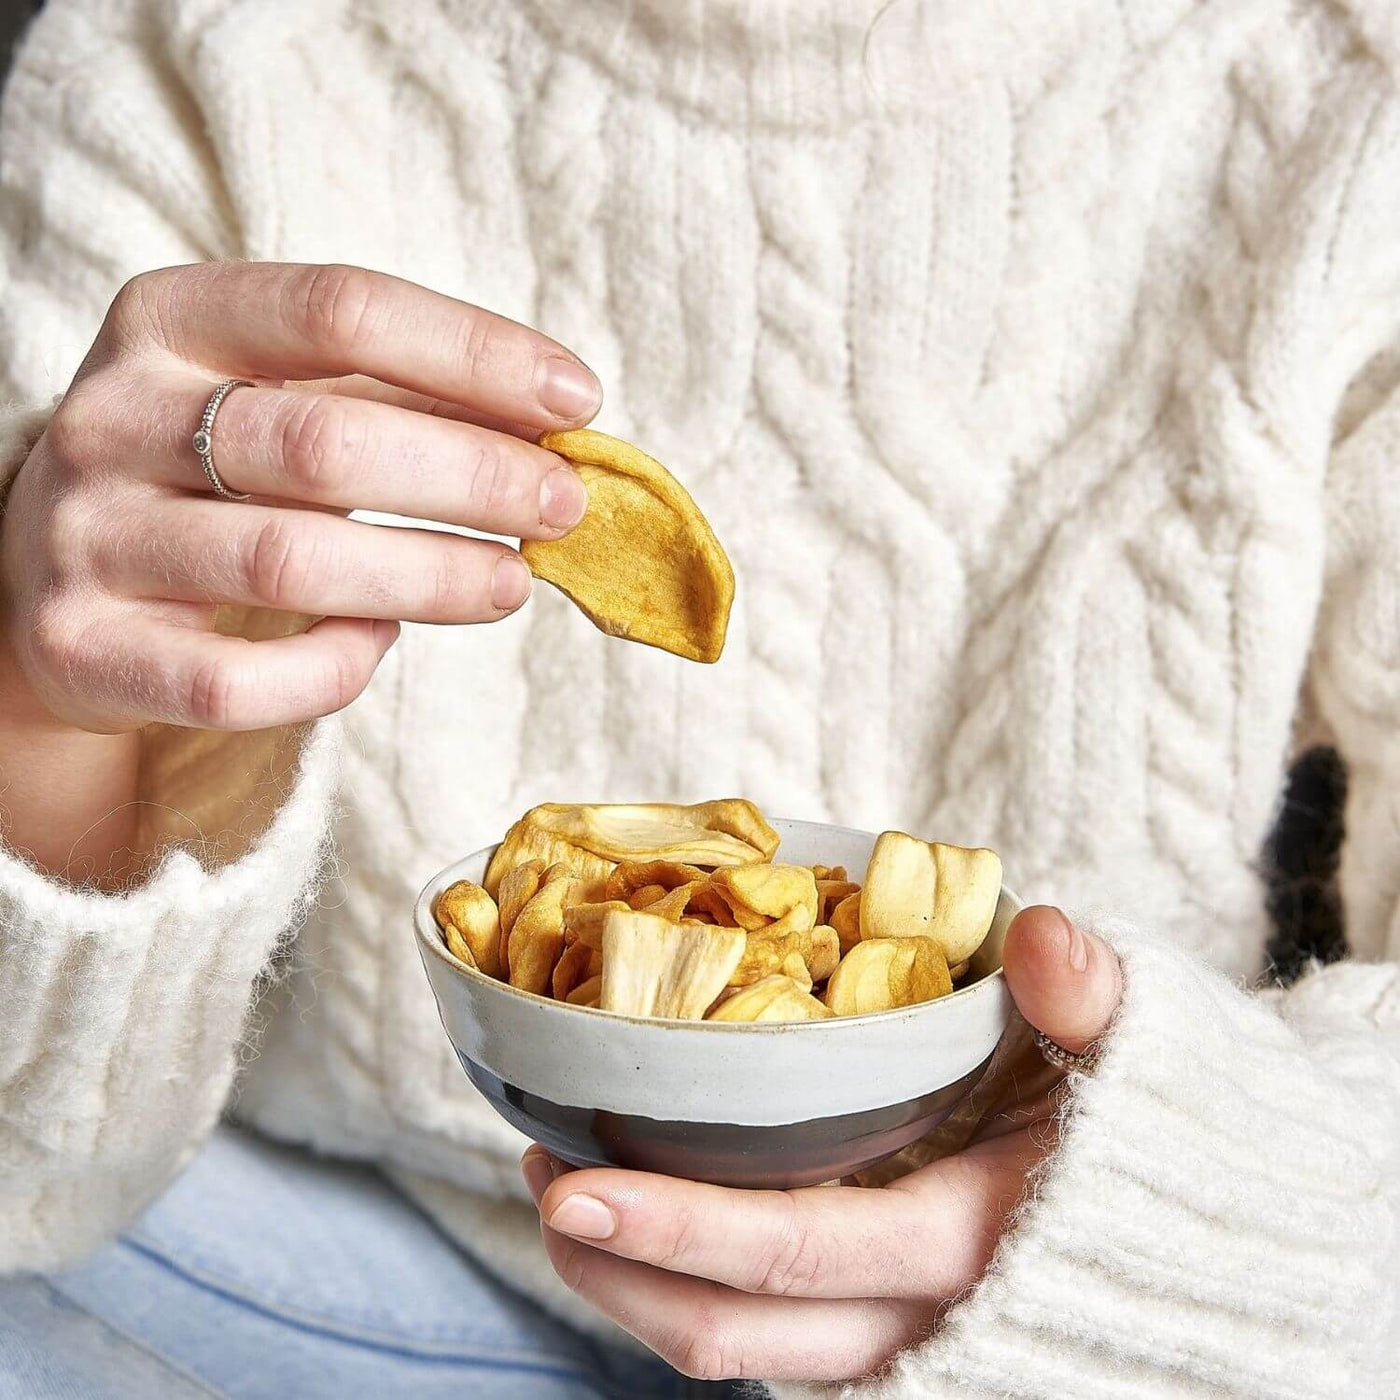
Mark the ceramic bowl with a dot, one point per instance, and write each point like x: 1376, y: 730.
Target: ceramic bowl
x: 771, y: 1105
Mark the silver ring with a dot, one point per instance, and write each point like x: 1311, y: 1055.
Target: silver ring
x: 203, y: 440
x: 1066, y: 1060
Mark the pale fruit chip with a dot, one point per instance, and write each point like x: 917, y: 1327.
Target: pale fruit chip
x: 795, y: 967
x: 468, y: 918
x: 879, y: 974
x: 828, y: 872
x: 528, y: 841
x: 959, y: 970
x: 760, y: 894
x: 592, y: 838
x: 775, y: 998
x: 643, y: 563
x: 920, y: 888
x: 653, y: 967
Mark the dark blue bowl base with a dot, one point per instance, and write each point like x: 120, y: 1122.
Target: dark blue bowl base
x: 726, y: 1154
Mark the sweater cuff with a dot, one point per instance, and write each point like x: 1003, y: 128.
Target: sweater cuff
x: 1214, y: 1221
x: 124, y: 1014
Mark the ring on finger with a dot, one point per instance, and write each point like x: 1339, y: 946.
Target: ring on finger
x: 203, y: 440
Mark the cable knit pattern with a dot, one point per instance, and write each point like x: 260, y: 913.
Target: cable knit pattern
x: 1038, y: 364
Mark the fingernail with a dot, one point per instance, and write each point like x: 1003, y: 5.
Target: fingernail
x: 510, y: 584
x: 1077, y: 948
x: 567, y: 389
x: 583, y: 1217
x: 538, y: 1172
x: 563, y: 499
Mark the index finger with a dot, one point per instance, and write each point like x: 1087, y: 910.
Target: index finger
x: 304, y: 321
x: 915, y: 1240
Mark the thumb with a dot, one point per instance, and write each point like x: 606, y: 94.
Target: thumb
x: 1065, y: 982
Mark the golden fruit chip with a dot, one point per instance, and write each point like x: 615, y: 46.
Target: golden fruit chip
x: 583, y: 923
x: 515, y: 891
x: 576, y: 964
x: 643, y: 563
x: 653, y: 967
x: 468, y: 918
x: 830, y: 893
x: 879, y: 974
x: 529, y: 841
x: 586, y: 993
x: 959, y: 970
x: 845, y: 919
x: 828, y: 872
x: 819, y: 948
x: 537, y: 935
x: 775, y: 998
x: 759, y: 894
x: 645, y: 897
x: 629, y: 876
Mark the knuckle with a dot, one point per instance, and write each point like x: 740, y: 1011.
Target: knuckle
x: 281, y: 562
x: 144, y: 306
x: 335, y: 303
x: 314, y: 442
x: 55, y: 636
x: 480, y: 350
x: 218, y: 694
x: 77, y: 429
x: 707, y: 1353
x: 794, y: 1261
x: 491, y: 490
x: 678, y: 1245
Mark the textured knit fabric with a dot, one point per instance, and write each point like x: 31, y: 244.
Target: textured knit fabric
x: 1038, y: 364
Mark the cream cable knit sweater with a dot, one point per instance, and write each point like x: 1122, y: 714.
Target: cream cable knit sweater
x: 1039, y: 364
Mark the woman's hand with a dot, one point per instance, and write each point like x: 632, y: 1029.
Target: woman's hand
x: 826, y: 1282
x: 115, y: 553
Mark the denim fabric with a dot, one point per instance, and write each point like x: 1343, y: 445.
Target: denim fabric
x: 264, y: 1272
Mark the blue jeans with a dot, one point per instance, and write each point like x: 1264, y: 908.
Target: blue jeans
x: 267, y: 1274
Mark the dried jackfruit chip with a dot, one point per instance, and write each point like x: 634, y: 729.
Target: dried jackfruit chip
x: 922, y: 888
x: 643, y: 563
x: 653, y: 967
x: 881, y: 973
x: 537, y: 935
x: 528, y: 841
x: 793, y: 966
x: 845, y: 919
x: 828, y: 872
x: 629, y: 876
x: 959, y: 970
x: 468, y: 918
x: 830, y: 893
x: 576, y: 964
x: 775, y: 998
x: 515, y: 891
x: 583, y: 923
x: 759, y: 894
x: 645, y: 897
x: 586, y: 993
x: 592, y: 838
x: 819, y: 948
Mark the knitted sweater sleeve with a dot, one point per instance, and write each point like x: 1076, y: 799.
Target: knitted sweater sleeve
x: 121, y: 1015
x: 1221, y: 1216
